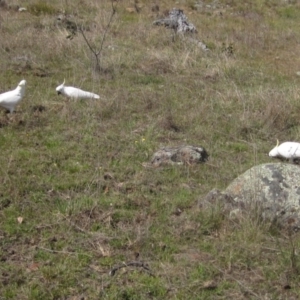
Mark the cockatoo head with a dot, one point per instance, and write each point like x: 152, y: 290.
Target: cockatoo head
x: 60, y: 88
x: 21, y: 87
x: 274, y: 152
x: 22, y: 83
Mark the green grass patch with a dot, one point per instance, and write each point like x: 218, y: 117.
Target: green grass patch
x: 77, y: 198
x: 42, y: 8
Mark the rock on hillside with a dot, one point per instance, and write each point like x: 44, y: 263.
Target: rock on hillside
x: 188, y: 155
x: 272, y: 189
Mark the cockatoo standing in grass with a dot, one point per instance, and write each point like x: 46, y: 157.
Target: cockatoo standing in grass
x: 286, y: 150
x: 10, y: 99
x: 72, y: 92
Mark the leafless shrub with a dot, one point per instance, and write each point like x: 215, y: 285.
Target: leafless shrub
x: 97, y: 53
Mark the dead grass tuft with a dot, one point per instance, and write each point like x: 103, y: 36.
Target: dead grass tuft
x: 168, y: 123
x: 280, y: 115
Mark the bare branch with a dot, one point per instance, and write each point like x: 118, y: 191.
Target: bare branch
x: 86, y: 40
x: 97, y: 54
x: 108, y: 24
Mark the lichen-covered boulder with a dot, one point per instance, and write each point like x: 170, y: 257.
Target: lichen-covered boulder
x: 272, y: 190
x: 180, y: 24
x: 177, y: 21
x: 179, y: 155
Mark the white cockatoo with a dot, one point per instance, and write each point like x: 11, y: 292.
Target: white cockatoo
x: 72, y: 92
x: 10, y: 99
x: 286, y: 150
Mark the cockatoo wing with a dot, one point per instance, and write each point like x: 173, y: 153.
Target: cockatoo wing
x: 8, y: 100
x: 289, y: 150
x: 73, y: 92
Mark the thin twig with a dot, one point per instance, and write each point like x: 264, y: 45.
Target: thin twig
x: 270, y: 249
x: 108, y: 25
x: 90, y: 233
x: 61, y: 252
x: 76, y: 226
x: 87, y: 42
x: 132, y: 264
x: 47, y: 225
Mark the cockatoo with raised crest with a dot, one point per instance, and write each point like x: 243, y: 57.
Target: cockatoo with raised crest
x: 72, y: 92
x: 286, y: 150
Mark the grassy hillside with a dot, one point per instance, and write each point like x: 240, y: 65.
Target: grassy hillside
x: 75, y: 199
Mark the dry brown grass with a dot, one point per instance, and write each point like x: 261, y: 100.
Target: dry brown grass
x: 73, y: 170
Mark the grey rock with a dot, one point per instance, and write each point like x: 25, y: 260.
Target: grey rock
x: 272, y: 190
x: 179, y: 155
x: 71, y: 26
x: 177, y: 21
